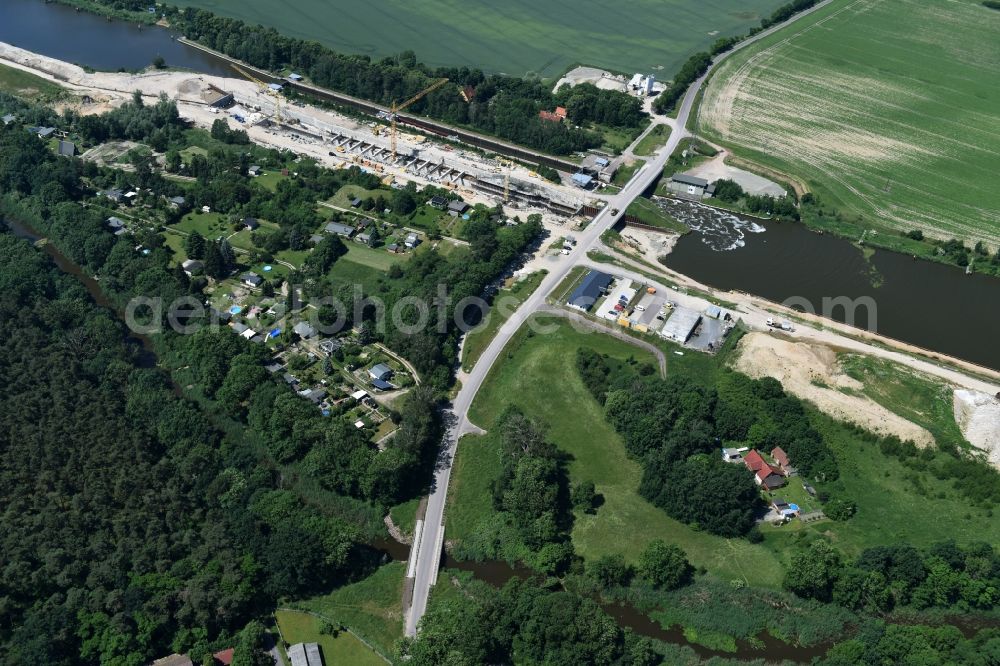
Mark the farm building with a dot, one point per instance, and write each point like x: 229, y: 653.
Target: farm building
x: 594, y: 284
x: 412, y: 241
x: 339, y: 229
x: 681, y: 325
x: 254, y: 170
x: 305, y: 654
x: 733, y: 455
x: 381, y: 372
x: 66, y: 148
x: 690, y: 186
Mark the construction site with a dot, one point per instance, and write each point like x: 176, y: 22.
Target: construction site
x: 334, y: 139
x: 381, y: 147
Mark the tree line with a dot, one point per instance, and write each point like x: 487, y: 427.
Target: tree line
x: 676, y: 428
x: 496, y: 104
x: 197, y: 532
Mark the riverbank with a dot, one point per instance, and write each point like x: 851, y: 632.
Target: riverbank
x: 138, y: 17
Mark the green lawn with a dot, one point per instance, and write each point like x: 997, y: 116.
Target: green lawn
x: 351, y: 272
x: 653, y: 141
x: 299, y: 627
x: 373, y: 257
x: 270, y: 179
x: 405, y: 515
x: 348, y: 192
x: 539, y: 375
x: 372, y: 608
x: 886, y: 110
x: 617, y: 139
x: 209, y: 225
x: 895, y: 503
x: 176, y: 243
x: 28, y: 86
x: 504, y: 304
x: 649, y: 213
x: 429, y: 219
x: 515, y: 37
x: 625, y: 173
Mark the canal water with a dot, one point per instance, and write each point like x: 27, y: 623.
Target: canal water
x: 930, y: 305
x: 93, y: 41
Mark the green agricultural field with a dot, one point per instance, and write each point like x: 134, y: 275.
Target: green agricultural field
x: 888, y: 110
x: 516, y: 37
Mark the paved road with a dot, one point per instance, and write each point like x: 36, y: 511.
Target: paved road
x: 432, y: 541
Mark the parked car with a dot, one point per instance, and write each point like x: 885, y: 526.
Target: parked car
x: 640, y: 308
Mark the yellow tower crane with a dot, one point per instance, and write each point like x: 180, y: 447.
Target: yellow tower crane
x: 396, y: 108
x: 264, y: 88
x: 509, y: 164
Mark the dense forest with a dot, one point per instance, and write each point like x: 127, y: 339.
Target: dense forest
x: 676, y: 428
x: 137, y: 523
x: 131, y: 524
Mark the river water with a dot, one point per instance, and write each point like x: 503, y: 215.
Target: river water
x: 930, y: 305
x: 89, y: 40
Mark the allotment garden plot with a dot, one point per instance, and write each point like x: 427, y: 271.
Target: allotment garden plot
x: 889, y: 110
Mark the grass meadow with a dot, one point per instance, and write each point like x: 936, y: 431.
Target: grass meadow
x: 895, y: 502
x: 298, y: 627
x: 372, y: 608
x: 890, y: 111
x: 516, y: 37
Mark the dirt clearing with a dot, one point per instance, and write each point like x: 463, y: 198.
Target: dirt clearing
x: 978, y: 415
x: 810, y: 371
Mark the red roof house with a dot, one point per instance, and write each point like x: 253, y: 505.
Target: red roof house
x: 549, y: 116
x: 224, y: 657
x: 769, y: 477
x: 561, y: 112
x: 780, y: 457
x: 754, y: 461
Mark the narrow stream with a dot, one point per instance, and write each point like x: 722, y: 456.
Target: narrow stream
x: 146, y: 357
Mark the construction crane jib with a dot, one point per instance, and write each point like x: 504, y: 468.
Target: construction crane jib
x: 264, y: 88
x: 396, y: 108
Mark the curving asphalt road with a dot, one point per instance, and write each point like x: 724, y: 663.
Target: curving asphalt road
x: 428, y: 556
